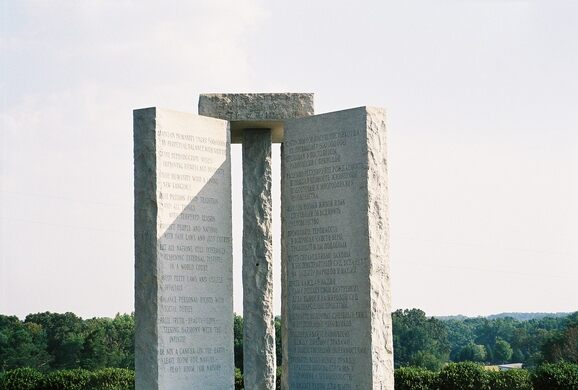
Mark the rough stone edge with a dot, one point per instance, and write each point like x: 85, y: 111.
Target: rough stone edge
x: 220, y: 105
x: 378, y: 236
x: 379, y: 324
x: 231, y: 333
x: 145, y: 235
x: 259, y: 364
x: 284, y: 285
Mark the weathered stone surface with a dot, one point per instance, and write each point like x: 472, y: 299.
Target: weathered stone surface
x: 335, y: 252
x: 258, y: 319
x: 183, y: 264
x: 256, y: 110
x: 145, y: 215
x: 256, y: 106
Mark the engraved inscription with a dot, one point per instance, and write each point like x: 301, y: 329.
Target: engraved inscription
x: 327, y: 257
x: 193, y: 249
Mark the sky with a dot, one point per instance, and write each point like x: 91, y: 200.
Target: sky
x: 482, y: 105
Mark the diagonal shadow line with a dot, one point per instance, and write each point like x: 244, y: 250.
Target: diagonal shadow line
x: 184, y: 296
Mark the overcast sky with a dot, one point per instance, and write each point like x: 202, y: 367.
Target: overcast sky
x: 482, y: 102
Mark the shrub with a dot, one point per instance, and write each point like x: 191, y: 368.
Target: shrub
x: 21, y: 379
x: 238, y: 379
x: 75, y: 379
x: 509, y: 380
x: 558, y: 376
x: 239, y: 385
x: 111, y: 379
x: 415, y: 378
x: 463, y: 376
x: 278, y: 375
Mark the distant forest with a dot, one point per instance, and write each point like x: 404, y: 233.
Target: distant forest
x: 516, y: 316
x: 51, y: 341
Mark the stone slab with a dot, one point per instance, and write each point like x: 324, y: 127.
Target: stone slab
x: 259, y: 364
x: 336, y: 298
x: 183, y: 252
x: 256, y: 110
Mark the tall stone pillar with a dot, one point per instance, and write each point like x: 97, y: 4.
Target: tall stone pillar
x: 183, y: 252
x: 335, y: 252
x: 259, y: 364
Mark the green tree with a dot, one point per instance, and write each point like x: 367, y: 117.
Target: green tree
x: 502, y: 351
x: 525, y: 337
x: 563, y: 345
x: 278, y: 342
x: 427, y: 360
x: 489, y: 353
x: 473, y: 353
x: 65, y: 337
x: 109, y: 343
x: 94, y: 352
x: 123, y: 327
x: 238, y: 341
x: 517, y: 356
x: 460, y: 333
x: 419, y: 340
x: 22, y: 345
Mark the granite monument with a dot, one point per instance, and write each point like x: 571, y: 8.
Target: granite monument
x: 335, y: 276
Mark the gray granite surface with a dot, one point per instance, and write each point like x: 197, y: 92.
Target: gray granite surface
x: 258, y: 317
x: 335, y: 252
x: 256, y: 110
x: 183, y: 252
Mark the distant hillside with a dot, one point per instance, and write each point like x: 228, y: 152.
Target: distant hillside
x: 527, y: 316
x: 516, y: 316
x: 458, y: 317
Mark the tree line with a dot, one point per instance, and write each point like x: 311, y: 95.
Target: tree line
x: 429, y: 342
x: 54, y: 341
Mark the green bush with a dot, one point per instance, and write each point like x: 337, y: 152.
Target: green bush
x: 278, y: 375
x: 454, y: 376
x: 463, y: 376
x: 21, y: 379
x: 238, y: 379
x: 75, y: 379
x: 558, y: 376
x: 415, y: 378
x: 509, y: 380
x: 112, y: 379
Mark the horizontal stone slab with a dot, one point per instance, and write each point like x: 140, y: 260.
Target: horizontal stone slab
x: 256, y: 110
